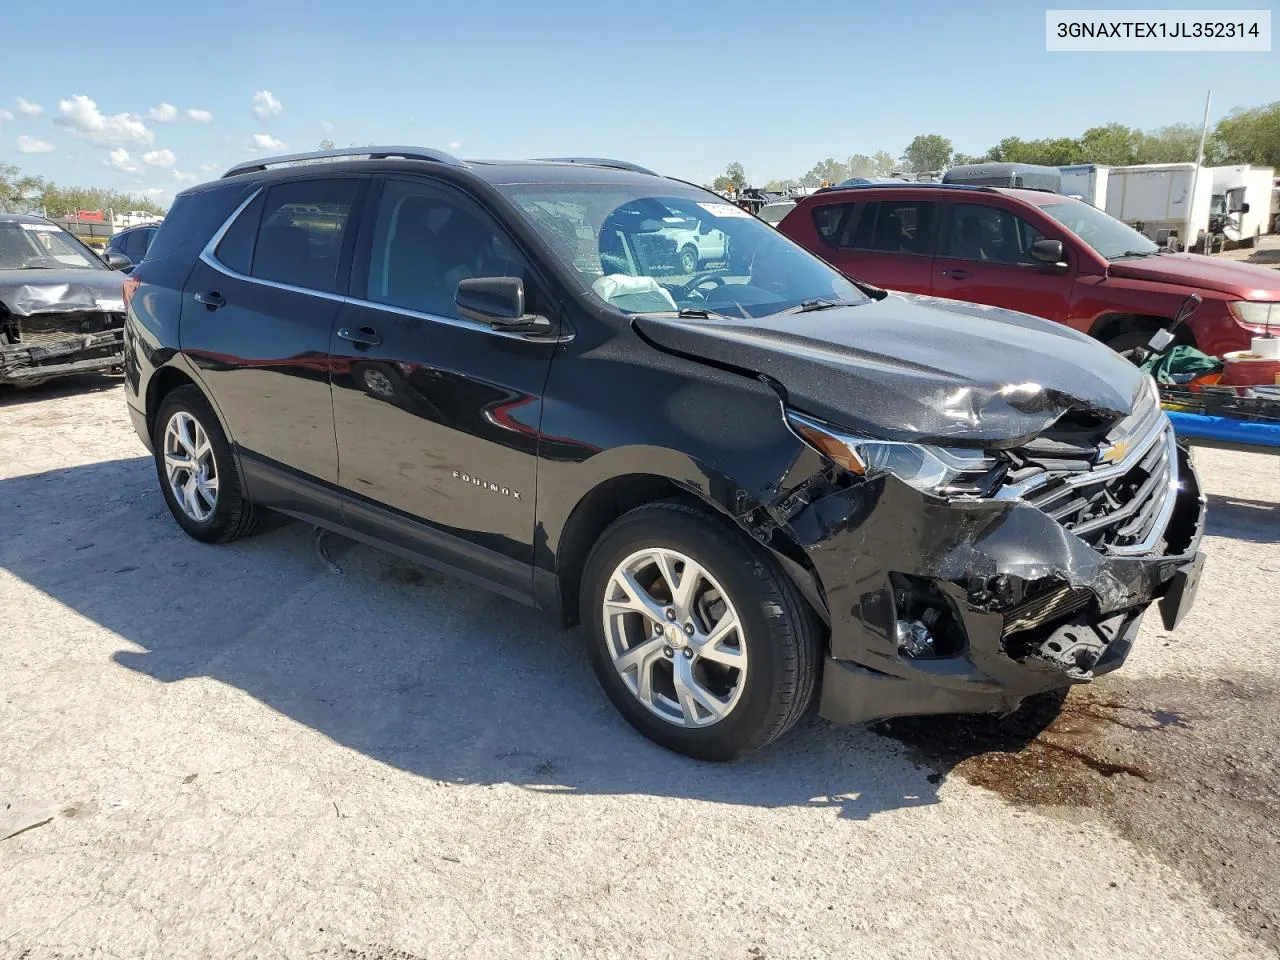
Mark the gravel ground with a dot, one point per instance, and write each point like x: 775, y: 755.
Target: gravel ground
x: 245, y: 751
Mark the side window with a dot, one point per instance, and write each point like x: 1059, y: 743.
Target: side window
x: 235, y: 249
x: 977, y: 232
x: 425, y: 240
x: 896, y: 226
x: 135, y: 245
x: 827, y: 219
x: 303, y: 224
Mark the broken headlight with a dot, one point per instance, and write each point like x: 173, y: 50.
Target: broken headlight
x: 941, y: 471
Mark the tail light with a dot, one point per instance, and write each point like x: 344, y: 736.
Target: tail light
x: 130, y: 286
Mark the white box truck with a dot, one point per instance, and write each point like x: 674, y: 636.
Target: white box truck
x: 1242, y: 201
x: 1088, y: 181
x: 1168, y: 202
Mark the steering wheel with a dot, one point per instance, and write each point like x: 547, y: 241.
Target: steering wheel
x: 693, y: 287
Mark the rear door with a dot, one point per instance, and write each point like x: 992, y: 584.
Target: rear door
x: 257, y: 313
x: 437, y: 416
x: 886, y: 242
x: 984, y: 257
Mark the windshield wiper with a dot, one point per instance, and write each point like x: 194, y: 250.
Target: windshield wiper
x: 821, y: 303
x: 1135, y: 253
x: 698, y: 313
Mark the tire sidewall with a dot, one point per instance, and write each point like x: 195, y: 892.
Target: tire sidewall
x: 189, y: 401
x: 723, y: 558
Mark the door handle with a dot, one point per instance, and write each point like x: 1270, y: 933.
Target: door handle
x: 213, y: 300
x: 955, y: 274
x: 363, y: 339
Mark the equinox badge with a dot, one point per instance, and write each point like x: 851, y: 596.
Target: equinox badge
x: 486, y: 485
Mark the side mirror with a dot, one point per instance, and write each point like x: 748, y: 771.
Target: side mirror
x: 703, y: 229
x: 1048, y: 251
x: 497, y: 301
x: 1244, y: 208
x: 116, y: 261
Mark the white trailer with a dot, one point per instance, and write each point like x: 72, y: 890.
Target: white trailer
x: 1242, y: 198
x: 1168, y: 202
x: 1088, y: 181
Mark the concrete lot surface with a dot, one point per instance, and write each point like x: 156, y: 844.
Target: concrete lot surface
x: 245, y: 751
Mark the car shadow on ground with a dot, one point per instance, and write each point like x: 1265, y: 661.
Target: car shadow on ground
x: 62, y: 387
x: 1254, y: 521
x: 414, y: 668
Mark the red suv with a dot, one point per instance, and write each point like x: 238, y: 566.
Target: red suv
x: 1037, y: 252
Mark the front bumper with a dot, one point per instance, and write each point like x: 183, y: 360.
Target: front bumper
x: 27, y: 365
x: 1024, y: 604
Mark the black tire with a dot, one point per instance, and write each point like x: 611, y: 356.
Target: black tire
x: 689, y: 259
x: 783, y: 637
x: 233, y: 516
x: 1132, y: 344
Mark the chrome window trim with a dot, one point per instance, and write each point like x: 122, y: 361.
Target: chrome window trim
x: 207, y: 255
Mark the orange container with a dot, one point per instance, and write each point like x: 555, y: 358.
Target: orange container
x: 1244, y: 369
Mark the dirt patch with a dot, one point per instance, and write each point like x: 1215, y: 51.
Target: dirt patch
x: 1184, y: 769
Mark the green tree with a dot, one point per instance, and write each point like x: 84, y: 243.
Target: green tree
x: 829, y: 170
x: 929, y: 151
x: 326, y: 144
x: 1176, y: 143
x: 19, y: 192
x: 1249, y: 136
x: 879, y: 164
x: 734, y: 176
x: 1113, y: 144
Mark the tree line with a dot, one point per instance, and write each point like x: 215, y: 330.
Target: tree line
x: 1246, y: 135
x: 23, y: 193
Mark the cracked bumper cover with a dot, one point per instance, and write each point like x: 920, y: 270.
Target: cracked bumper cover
x: 1023, y: 590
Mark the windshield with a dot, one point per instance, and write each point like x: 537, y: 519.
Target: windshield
x: 42, y: 246
x: 688, y: 252
x: 1107, y: 235
x: 774, y: 212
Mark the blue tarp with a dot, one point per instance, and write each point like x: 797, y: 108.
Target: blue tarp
x: 1193, y: 426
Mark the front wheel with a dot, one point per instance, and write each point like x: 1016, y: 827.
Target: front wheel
x: 689, y: 260
x: 1132, y: 345
x: 698, y: 638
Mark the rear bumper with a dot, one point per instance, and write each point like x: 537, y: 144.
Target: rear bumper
x: 1022, y: 606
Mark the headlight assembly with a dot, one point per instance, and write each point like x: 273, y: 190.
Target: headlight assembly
x: 937, y: 470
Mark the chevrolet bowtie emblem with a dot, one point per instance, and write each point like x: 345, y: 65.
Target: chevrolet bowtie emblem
x: 1115, y: 453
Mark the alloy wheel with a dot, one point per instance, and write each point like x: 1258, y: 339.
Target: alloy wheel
x: 674, y: 637
x: 189, y: 466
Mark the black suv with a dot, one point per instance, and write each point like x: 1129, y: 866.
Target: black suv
x: 751, y: 485
x: 127, y: 247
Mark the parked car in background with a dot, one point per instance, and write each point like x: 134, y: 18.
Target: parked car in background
x: 468, y: 363
x: 130, y: 244
x: 61, y: 309
x: 772, y: 213
x: 1036, y: 252
x: 696, y: 243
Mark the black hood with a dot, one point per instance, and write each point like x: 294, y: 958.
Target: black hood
x: 917, y: 368
x: 28, y: 292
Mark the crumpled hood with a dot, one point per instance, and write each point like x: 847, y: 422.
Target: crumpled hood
x: 911, y: 367
x: 28, y: 292
x: 1245, y: 281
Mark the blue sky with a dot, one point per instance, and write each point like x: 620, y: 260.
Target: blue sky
x: 681, y: 87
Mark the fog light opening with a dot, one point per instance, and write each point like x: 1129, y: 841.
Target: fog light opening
x: 915, y: 640
x: 925, y: 626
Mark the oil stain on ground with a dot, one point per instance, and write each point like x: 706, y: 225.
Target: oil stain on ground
x: 1186, y: 770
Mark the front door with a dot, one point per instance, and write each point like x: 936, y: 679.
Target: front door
x: 984, y: 257
x: 437, y: 416
x: 256, y: 318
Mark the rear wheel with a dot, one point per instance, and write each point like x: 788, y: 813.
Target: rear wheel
x: 698, y: 638
x: 197, y: 472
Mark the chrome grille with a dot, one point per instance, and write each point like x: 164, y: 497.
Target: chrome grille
x: 1121, y: 506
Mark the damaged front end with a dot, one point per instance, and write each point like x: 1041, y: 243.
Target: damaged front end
x: 57, y: 333
x: 1009, y: 573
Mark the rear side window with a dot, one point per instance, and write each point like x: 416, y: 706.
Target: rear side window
x: 135, y: 244
x: 895, y: 226
x: 235, y: 249
x: 193, y: 216
x: 827, y: 219
x: 300, y: 238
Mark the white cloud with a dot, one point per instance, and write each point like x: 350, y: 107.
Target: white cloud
x: 163, y: 113
x: 199, y: 116
x: 32, y: 145
x: 82, y: 116
x: 185, y: 177
x: 265, y: 141
x: 266, y: 106
x: 5, y: 115
x: 159, y: 158
x: 326, y: 125
x: 29, y: 108
x: 121, y: 160
x: 454, y: 144
x: 208, y: 167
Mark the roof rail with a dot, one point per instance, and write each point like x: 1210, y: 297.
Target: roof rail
x: 908, y: 185
x: 373, y: 153
x: 600, y: 162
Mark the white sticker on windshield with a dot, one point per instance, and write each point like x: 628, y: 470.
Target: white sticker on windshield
x: 724, y: 210
x: 46, y: 227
